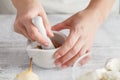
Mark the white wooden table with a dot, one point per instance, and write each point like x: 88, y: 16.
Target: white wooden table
x: 14, y: 59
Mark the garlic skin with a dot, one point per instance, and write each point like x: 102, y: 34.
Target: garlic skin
x: 113, y: 64
x: 111, y: 75
x: 27, y: 75
x: 100, y: 72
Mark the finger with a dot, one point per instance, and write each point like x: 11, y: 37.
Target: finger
x: 72, y: 52
x: 34, y: 33
x: 69, y: 43
x: 24, y: 32
x: 84, y: 60
x: 85, y: 50
x: 72, y: 60
x: 47, y: 25
x: 19, y: 28
x: 65, y: 48
x: 63, y: 25
x: 49, y: 32
x: 59, y: 27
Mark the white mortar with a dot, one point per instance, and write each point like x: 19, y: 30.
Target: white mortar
x: 44, y: 58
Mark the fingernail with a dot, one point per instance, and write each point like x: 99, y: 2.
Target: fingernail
x: 57, y: 56
x: 52, y: 35
x: 46, y: 44
x: 58, y: 64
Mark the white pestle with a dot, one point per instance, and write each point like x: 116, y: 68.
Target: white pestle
x: 38, y: 22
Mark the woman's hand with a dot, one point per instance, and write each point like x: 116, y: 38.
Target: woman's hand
x: 26, y: 10
x: 83, y: 26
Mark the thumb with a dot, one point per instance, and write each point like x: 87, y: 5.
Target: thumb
x: 58, y: 27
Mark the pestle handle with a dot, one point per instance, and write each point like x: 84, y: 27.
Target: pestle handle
x: 38, y: 22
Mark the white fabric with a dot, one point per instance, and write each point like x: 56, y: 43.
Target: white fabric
x: 54, y: 6
x: 64, y: 6
x: 6, y: 7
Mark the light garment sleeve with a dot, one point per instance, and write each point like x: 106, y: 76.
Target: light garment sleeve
x: 55, y: 6
x: 64, y: 6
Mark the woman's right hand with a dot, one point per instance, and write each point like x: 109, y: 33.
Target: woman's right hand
x: 26, y: 10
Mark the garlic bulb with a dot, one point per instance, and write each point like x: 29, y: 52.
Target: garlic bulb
x: 111, y: 75
x: 110, y: 72
x: 113, y: 64
x: 27, y: 75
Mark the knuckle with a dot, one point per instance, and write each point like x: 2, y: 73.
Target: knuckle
x: 79, y: 54
x: 61, y: 53
x: 25, y: 19
x: 82, y: 53
x: 70, y: 44
x: 62, y: 60
x: 68, y: 56
x: 32, y: 34
x: 73, y: 50
x: 68, y: 64
x: 83, y: 37
x: 77, y: 29
x: 16, y: 26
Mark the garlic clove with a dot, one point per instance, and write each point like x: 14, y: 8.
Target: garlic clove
x: 110, y: 72
x: 100, y: 72
x: 111, y: 75
x: 27, y: 75
x: 113, y: 64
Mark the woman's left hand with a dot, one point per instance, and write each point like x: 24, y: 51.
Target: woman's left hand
x: 83, y: 26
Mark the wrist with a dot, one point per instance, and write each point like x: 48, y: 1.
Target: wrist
x: 100, y: 7
x: 95, y: 14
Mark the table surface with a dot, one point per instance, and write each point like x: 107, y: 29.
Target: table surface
x: 14, y: 59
